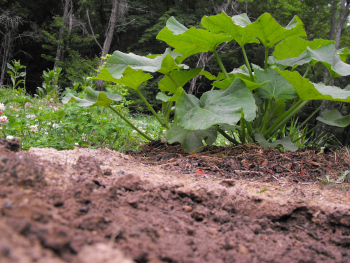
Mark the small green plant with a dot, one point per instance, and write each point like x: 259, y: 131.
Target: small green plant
x: 50, y: 88
x: 327, y: 180
x: 253, y: 102
x: 17, y: 76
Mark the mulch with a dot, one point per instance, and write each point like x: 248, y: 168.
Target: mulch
x: 247, y: 161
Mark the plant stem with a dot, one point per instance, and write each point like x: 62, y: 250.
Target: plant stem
x: 328, y: 80
x: 168, y: 112
x: 223, y: 133
x: 173, y: 80
x: 285, y: 117
x: 152, y: 110
x: 266, y: 55
x: 301, y: 125
x: 307, y: 71
x: 264, y: 121
x: 131, y: 125
x: 247, y: 63
x: 220, y: 64
x: 243, y: 139
x: 308, y: 132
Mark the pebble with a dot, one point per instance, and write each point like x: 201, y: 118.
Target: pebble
x: 187, y: 208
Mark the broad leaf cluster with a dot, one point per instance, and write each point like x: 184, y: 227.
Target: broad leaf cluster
x: 252, y: 103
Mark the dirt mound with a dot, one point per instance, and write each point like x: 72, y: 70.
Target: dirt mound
x: 101, y: 206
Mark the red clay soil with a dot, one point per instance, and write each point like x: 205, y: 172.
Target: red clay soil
x: 133, y: 219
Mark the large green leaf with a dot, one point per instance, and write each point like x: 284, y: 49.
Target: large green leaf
x: 163, y: 97
x: 267, y: 29
x: 92, y: 98
x: 326, y: 54
x: 192, y: 40
x: 169, y: 64
x: 286, y: 143
x: 215, y: 107
x: 235, y: 26
x: 343, y: 53
x: 334, y: 118
x: 131, y: 78
x: 312, y: 91
x: 180, y: 77
x: 119, y: 61
x: 277, y: 87
x: 223, y: 84
x: 295, y: 46
x: 191, y: 141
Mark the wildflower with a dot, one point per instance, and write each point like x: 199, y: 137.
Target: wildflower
x: 76, y: 144
x: 11, y: 107
x: 55, y: 125
x: 9, y: 137
x: 2, y: 107
x: 46, y: 133
x: 17, y: 115
x: 164, y: 131
x: 83, y: 137
x: 55, y: 109
x: 32, y: 117
x: 33, y: 128
x: 40, y: 108
x: 48, y: 123
x: 51, y: 100
x: 3, y: 119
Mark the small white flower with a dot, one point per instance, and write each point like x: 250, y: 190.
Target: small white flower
x: 55, y: 125
x: 164, y: 131
x: 17, y: 115
x: 3, y: 119
x: 134, y: 131
x: 76, y: 144
x: 33, y: 128
x: 31, y: 116
x: 48, y: 123
x: 9, y: 137
x: 83, y: 137
x: 111, y: 115
x: 46, y: 133
x: 2, y: 107
x: 11, y: 107
x: 40, y: 108
x: 51, y: 100
x: 55, y: 109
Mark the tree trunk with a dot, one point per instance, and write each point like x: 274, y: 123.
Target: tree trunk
x: 343, y: 17
x: 59, y: 52
x: 109, y: 36
x: 10, y: 23
x: 335, y: 33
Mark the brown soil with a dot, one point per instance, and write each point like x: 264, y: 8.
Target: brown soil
x: 234, y: 204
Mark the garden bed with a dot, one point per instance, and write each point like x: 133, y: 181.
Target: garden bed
x: 233, y: 204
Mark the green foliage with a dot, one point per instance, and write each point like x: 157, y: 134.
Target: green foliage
x: 64, y: 127
x: 254, y: 103
x: 17, y: 76
x: 50, y: 88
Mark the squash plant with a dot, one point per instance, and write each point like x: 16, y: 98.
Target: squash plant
x: 250, y: 100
